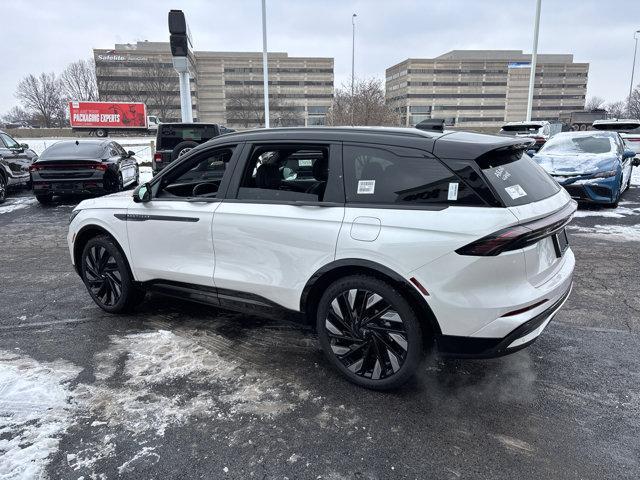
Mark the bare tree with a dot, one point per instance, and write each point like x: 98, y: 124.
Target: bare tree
x: 594, y: 103
x: 366, y: 107
x: 43, y: 96
x: 79, y: 81
x: 246, y: 108
x: 17, y: 115
x: 616, y: 109
x: 633, y: 103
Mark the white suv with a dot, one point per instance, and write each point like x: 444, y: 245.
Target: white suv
x: 388, y: 240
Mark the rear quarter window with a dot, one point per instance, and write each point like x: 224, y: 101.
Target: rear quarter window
x: 517, y: 179
x: 401, y: 177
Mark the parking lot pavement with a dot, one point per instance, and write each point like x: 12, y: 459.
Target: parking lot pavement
x: 183, y: 391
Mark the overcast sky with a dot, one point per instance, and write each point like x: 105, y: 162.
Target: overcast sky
x: 40, y: 35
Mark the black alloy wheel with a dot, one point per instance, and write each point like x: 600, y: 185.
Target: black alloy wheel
x: 369, y: 332
x: 106, y: 276
x: 3, y: 189
x: 102, y: 275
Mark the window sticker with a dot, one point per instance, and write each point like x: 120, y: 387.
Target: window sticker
x: 515, y: 191
x: 502, y: 174
x: 453, y: 191
x: 366, y: 187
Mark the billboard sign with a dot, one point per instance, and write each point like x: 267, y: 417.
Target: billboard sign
x: 107, y: 114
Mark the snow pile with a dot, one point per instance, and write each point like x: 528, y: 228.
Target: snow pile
x: 35, y: 409
x: 13, y: 204
x: 140, y: 145
x: 620, y: 212
x: 616, y: 233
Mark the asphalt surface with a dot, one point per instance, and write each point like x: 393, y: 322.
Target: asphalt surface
x: 183, y: 391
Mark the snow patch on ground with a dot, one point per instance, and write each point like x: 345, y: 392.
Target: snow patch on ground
x: 35, y: 410
x: 616, y: 233
x: 13, y: 204
x: 132, y: 393
x: 635, y: 176
x: 619, y: 212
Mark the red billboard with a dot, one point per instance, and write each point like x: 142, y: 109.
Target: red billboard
x: 111, y: 115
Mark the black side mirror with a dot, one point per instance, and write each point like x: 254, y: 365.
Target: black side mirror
x: 24, y: 146
x: 531, y: 152
x: 131, y: 153
x: 142, y: 193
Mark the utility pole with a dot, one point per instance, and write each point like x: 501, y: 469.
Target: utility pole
x: 633, y: 71
x: 265, y: 65
x: 534, y: 59
x: 353, y: 62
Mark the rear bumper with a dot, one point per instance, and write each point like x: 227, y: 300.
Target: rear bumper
x: 69, y: 187
x: 521, y: 337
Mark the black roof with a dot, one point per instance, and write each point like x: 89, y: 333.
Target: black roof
x: 448, y: 144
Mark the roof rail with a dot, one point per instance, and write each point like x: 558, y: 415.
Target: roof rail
x: 431, y: 125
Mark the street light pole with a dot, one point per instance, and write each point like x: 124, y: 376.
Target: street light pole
x: 353, y: 61
x: 534, y: 60
x: 633, y: 71
x: 265, y: 65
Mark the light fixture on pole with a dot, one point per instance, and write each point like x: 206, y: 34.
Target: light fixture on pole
x: 353, y: 60
x: 180, y: 40
x: 633, y: 71
x: 265, y: 65
x: 534, y: 60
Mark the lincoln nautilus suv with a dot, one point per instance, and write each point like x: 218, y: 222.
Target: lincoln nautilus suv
x: 390, y: 241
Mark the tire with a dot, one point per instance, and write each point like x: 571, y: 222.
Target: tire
x: 45, y: 199
x: 387, y: 348
x: 102, y: 132
x: 3, y: 188
x: 106, y: 275
x: 182, y: 148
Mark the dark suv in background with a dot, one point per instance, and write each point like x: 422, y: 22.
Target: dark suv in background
x: 175, y: 139
x: 15, y: 159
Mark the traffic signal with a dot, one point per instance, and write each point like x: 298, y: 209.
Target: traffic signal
x: 179, y: 38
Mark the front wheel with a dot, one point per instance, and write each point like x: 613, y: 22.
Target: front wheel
x: 369, y: 332
x: 106, y: 275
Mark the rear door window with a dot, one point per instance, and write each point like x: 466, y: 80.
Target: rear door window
x: 401, y: 177
x: 516, y: 178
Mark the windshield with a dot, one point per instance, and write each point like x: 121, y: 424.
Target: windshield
x: 571, y: 144
x: 73, y: 150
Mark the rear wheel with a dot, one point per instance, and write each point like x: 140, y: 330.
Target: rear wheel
x: 101, y: 132
x: 45, y: 199
x: 3, y: 189
x: 369, y: 332
x: 106, y: 275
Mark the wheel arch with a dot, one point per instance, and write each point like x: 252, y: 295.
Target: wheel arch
x: 322, y: 278
x: 88, y: 232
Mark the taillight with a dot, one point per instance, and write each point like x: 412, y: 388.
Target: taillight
x: 157, y: 156
x: 101, y: 166
x: 34, y: 168
x: 520, y: 236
